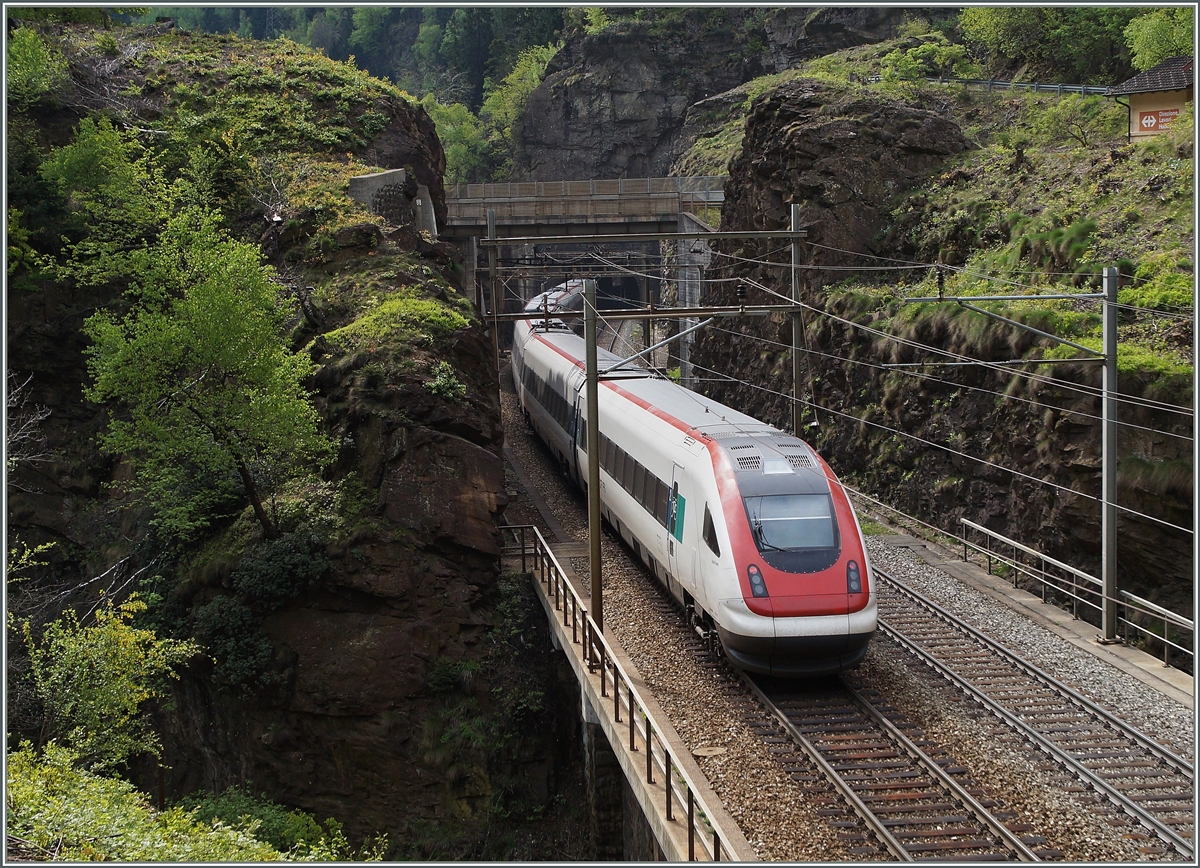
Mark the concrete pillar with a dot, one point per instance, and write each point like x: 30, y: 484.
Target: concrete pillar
x: 640, y: 844
x: 605, y: 786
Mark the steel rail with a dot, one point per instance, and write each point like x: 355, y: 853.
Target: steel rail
x: 945, y: 779
x: 1183, y: 845
x: 1178, y: 763
x: 890, y: 841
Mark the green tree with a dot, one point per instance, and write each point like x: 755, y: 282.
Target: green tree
x: 117, y: 198
x: 33, y: 69
x: 1067, y: 44
x: 466, y: 38
x: 1084, y: 120
x: 937, y: 56
x: 506, y: 103
x: 93, y: 681
x: 1159, y: 35
x: 207, y: 389
x: 101, y: 15
x: 463, y: 139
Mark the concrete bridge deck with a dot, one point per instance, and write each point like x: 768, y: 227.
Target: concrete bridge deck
x: 620, y: 205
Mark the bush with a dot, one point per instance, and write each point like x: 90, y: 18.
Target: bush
x: 72, y: 815
x: 92, y: 681
x: 1082, y: 120
x: 445, y: 383
x: 236, y: 640
x: 272, y: 823
x: 279, y: 570
x: 33, y: 70
x: 62, y: 813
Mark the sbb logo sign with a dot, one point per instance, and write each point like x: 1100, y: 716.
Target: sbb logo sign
x: 1152, y: 122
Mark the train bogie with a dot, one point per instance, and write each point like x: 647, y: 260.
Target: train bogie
x: 745, y: 525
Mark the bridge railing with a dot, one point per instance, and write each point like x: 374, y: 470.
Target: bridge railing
x: 705, y: 842
x: 617, y: 197
x: 1157, y: 629
x: 701, y: 186
x: 1033, y: 86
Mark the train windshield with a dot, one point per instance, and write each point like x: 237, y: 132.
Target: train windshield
x: 792, y: 522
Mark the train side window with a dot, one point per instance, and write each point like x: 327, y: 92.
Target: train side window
x: 639, y: 479
x: 610, y: 454
x: 646, y: 498
x: 619, y: 466
x: 662, y: 501
x: 627, y: 472
x: 710, y: 533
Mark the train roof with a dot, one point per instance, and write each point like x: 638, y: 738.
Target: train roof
x: 764, y: 457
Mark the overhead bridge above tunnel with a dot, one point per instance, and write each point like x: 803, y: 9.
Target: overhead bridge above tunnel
x: 591, y: 207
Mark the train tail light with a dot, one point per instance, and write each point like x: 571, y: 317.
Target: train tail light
x: 853, y: 578
x: 757, y: 586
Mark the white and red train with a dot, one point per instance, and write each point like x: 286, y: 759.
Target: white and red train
x: 744, y: 524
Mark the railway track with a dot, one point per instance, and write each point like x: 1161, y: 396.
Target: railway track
x: 910, y: 802
x: 1149, y: 783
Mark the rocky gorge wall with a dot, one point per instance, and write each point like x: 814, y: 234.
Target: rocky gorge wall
x: 843, y: 156
x: 393, y: 689
x: 613, y: 104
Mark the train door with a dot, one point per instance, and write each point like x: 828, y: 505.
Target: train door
x: 579, y: 429
x: 677, y: 556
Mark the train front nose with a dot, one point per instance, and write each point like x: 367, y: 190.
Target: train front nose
x: 794, y: 646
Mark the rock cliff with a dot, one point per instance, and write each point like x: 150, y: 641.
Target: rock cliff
x: 845, y: 157
x: 391, y: 684
x: 612, y: 104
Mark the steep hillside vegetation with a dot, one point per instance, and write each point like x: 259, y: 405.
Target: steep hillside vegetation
x: 362, y: 657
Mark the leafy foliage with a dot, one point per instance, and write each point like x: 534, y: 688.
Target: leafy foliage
x: 464, y: 140
x: 119, y: 199
x: 402, y: 318
x: 74, y: 815
x: 33, y: 70
x: 209, y: 388
x: 935, y: 57
x: 505, y: 104
x: 1079, y: 45
x: 93, y: 680
x: 445, y: 384
x: 1161, y: 34
x: 278, y: 570
x: 285, y: 830
x: 237, y: 642
x: 67, y: 814
x: 1082, y: 120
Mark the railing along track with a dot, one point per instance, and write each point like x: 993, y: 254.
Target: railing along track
x: 1147, y: 781
x: 682, y: 802
x: 914, y: 803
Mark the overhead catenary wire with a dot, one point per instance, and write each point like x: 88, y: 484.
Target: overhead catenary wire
x: 923, y: 376
x: 1171, y: 311
x: 952, y: 450
x: 1086, y: 390
x: 924, y: 441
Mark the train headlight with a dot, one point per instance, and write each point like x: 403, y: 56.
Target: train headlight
x: 853, y: 578
x: 757, y: 586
